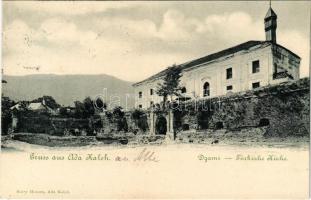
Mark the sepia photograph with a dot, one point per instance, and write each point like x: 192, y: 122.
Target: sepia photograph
x: 155, y: 99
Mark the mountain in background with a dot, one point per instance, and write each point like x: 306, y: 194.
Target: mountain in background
x: 66, y: 89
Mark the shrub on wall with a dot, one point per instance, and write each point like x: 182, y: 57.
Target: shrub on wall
x: 119, y: 119
x: 140, y: 120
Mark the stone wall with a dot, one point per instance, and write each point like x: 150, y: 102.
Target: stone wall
x: 30, y: 122
x: 34, y: 122
x: 283, y: 108
x: 136, y: 121
x: 71, y: 126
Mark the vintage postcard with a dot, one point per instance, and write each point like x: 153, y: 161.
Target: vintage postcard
x: 155, y: 100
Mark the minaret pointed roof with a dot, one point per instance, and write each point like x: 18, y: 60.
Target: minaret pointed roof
x: 270, y: 13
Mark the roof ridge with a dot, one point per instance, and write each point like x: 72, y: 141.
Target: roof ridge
x: 210, y: 57
x: 226, y: 49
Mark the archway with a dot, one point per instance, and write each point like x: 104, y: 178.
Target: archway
x: 219, y: 125
x: 206, y: 89
x: 264, y: 122
x: 203, y: 118
x: 161, y: 125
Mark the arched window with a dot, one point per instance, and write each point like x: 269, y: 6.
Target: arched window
x: 206, y: 90
x: 183, y: 90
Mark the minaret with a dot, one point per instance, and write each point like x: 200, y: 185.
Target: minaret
x: 270, y: 25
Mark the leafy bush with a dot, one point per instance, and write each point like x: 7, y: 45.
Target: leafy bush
x: 140, y: 119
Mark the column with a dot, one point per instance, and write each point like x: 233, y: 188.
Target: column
x: 170, y: 123
x: 152, y: 121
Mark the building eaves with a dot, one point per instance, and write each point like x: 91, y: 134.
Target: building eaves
x: 215, y: 56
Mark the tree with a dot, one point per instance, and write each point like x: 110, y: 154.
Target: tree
x: 89, y: 106
x: 63, y: 111
x: 84, y: 109
x: 100, y: 104
x: 118, y: 112
x: 140, y: 119
x: 6, y: 119
x: 119, y: 117
x: 79, y: 109
x: 170, y: 86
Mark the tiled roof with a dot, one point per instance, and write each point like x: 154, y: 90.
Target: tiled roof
x: 214, y: 56
x: 36, y: 106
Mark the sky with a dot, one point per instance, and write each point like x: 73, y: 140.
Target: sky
x: 134, y: 40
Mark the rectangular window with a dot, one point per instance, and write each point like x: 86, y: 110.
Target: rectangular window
x: 256, y: 85
x: 229, y: 73
x: 275, y: 68
x: 151, y: 91
x: 140, y: 94
x: 140, y: 106
x: 256, y: 66
x: 229, y: 87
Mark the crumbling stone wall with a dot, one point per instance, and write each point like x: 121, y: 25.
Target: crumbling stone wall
x: 71, y: 126
x: 283, y: 108
x: 35, y: 122
x: 30, y: 122
x: 137, y: 122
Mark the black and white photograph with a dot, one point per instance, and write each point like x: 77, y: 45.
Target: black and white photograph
x: 142, y: 98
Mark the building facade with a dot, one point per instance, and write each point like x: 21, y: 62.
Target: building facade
x: 243, y: 67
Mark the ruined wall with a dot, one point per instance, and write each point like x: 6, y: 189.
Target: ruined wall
x: 135, y: 121
x: 33, y: 122
x: 71, y: 126
x: 139, y: 121
x: 283, y: 108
